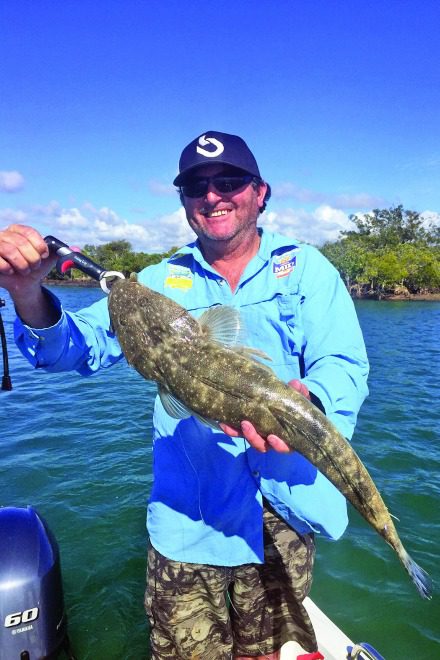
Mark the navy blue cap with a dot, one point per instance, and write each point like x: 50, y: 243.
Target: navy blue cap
x: 214, y: 147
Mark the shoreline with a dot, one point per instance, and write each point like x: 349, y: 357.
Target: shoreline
x: 425, y: 297
x: 392, y: 297
x: 89, y: 283
x: 398, y: 297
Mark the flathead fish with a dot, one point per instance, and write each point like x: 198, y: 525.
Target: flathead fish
x: 201, y: 371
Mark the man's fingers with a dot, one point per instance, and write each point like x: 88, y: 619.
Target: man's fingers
x: 31, y: 236
x: 24, y: 257
x: 254, y: 438
x: 299, y: 387
x: 249, y: 432
x: 229, y: 430
x: 5, y: 267
x: 278, y: 444
x: 14, y: 260
x: 21, y: 249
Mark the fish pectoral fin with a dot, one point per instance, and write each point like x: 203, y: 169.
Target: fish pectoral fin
x: 222, y: 323
x: 211, y: 423
x: 176, y: 409
x: 172, y: 405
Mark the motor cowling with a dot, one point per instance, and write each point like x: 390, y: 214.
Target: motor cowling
x: 32, y: 617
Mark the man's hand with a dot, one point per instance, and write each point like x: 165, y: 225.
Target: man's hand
x: 255, y: 439
x: 24, y: 263
x: 24, y: 257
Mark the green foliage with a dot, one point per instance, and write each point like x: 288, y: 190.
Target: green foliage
x: 390, y: 250
x: 385, y: 228
x: 118, y: 255
x: 349, y: 257
x: 112, y: 256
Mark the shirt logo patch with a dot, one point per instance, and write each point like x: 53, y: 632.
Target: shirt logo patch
x: 284, y: 264
x: 179, y: 277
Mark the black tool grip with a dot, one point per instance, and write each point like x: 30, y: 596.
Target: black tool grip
x: 80, y: 261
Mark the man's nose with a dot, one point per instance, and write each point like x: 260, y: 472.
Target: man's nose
x: 212, y: 194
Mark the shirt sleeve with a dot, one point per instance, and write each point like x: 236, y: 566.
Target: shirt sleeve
x: 81, y: 341
x: 335, y: 359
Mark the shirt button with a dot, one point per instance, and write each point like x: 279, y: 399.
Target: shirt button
x: 256, y: 473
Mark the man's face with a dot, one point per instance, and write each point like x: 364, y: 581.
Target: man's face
x: 222, y: 216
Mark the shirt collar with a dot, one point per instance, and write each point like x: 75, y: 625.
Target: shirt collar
x: 270, y: 243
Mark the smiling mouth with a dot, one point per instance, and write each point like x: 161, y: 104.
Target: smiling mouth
x: 216, y: 214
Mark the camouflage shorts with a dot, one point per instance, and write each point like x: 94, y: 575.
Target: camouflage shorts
x: 200, y: 612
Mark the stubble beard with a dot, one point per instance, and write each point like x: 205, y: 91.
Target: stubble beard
x: 239, y: 229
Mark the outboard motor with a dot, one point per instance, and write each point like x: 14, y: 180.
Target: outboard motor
x: 33, y: 623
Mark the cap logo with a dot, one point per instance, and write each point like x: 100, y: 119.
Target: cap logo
x: 204, y: 141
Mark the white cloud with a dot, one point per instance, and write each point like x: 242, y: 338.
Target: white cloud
x: 316, y: 227
x: 356, y: 201
x: 11, y: 182
x: 161, y: 189
x: 289, y: 190
x: 89, y: 225
x: 154, y: 235
x: 430, y: 218
x: 420, y: 163
x: 12, y: 217
x: 72, y: 218
x: 174, y: 228
x: 108, y: 216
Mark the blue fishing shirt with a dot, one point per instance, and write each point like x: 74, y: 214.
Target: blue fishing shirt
x: 206, y: 500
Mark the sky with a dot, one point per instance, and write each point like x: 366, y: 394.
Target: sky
x: 339, y: 100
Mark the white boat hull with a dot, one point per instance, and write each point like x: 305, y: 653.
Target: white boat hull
x: 333, y: 644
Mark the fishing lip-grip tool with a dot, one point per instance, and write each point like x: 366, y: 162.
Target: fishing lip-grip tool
x: 69, y: 258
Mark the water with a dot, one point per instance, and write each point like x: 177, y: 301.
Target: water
x: 78, y: 450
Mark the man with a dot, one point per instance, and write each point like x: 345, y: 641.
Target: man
x: 231, y: 521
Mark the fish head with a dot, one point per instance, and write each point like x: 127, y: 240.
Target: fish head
x: 143, y: 318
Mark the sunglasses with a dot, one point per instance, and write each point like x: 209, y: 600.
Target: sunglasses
x: 223, y: 184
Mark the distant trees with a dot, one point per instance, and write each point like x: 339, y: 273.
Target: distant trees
x: 391, y: 251
x: 117, y: 255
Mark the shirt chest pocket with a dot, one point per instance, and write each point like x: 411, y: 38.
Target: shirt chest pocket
x: 289, y: 309
x: 274, y: 326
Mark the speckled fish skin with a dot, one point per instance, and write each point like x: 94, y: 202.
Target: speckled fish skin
x: 164, y: 343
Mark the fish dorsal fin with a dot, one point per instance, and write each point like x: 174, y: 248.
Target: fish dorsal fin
x: 223, y: 324
x: 178, y: 410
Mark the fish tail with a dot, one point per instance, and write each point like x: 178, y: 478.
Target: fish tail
x: 420, y: 578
